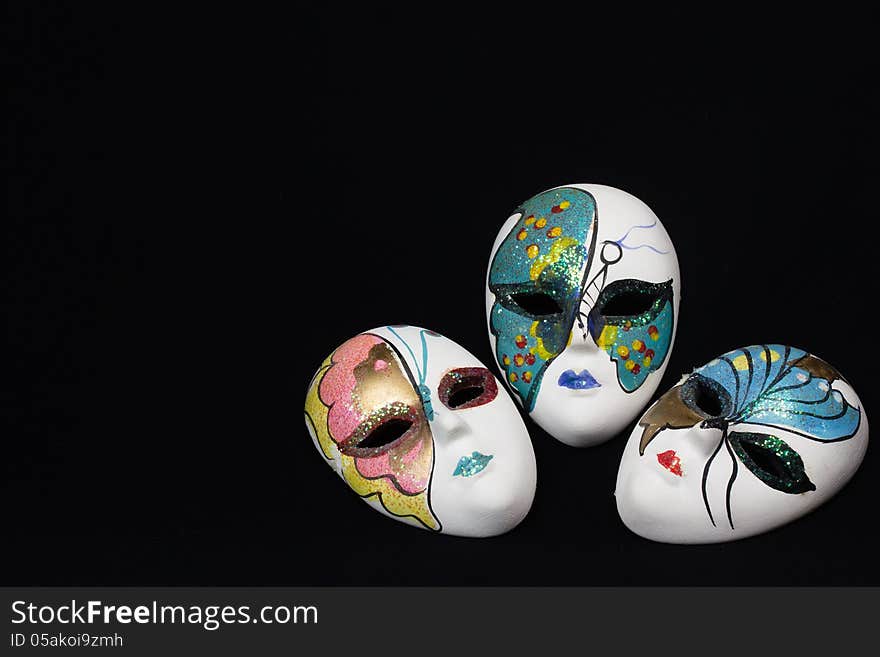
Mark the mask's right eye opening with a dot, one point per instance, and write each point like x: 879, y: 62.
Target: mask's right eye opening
x: 536, y: 304
x: 385, y: 434
x: 381, y: 432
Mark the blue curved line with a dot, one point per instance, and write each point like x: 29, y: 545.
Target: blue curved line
x: 633, y: 228
x: 642, y: 246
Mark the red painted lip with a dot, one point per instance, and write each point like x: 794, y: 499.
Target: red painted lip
x: 669, y: 460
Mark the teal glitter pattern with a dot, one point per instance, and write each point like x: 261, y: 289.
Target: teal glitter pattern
x: 546, y: 254
x: 638, y: 344
x: 471, y: 465
x: 767, y: 387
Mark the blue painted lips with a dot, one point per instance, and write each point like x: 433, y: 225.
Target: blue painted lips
x: 471, y: 465
x: 575, y: 381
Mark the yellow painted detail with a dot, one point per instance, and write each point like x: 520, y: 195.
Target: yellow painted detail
x: 774, y: 356
x: 398, y: 504
x: 540, y: 349
x: 549, y: 258
x: 607, y: 337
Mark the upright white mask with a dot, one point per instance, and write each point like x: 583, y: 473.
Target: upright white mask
x: 417, y: 427
x: 582, y: 300
x: 749, y: 442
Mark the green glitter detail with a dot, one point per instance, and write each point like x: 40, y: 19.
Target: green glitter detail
x: 790, y: 476
x: 663, y: 292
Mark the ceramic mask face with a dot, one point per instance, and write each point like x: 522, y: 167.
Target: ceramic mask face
x: 582, y: 300
x: 417, y: 427
x: 749, y: 442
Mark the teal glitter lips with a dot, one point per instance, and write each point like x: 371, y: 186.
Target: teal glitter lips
x: 468, y: 466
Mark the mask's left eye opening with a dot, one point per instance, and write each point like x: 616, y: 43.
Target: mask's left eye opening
x: 467, y: 387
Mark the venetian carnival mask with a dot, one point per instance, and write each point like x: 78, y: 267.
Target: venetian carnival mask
x: 417, y: 427
x: 753, y: 440
x: 582, y: 299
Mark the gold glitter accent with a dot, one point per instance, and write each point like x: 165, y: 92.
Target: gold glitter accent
x: 532, y: 250
x: 818, y: 368
x: 547, y: 259
x: 316, y: 413
x: 530, y: 220
x: 522, y: 234
x: 670, y: 412
x: 540, y: 223
x: 556, y: 231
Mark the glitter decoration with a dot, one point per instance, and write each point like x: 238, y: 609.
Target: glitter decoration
x: 774, y: 385
x: 671, y: 461
x: 626, y: 337
x: 352, y: 396
x: 468, y: 466
x: 550, y: 263
x: 467, y: 387
x: 772, y: 461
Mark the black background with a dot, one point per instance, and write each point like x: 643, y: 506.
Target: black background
x: 201, y: 208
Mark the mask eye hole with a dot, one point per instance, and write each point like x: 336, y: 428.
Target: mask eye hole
x: 467, y: 387
x: 772, y: 460
x: 385, y: 434
x: 628, y: 303
x: 705, y: 396
x: 536, y: 304
x: 381, y: 432
x: 707, y: 400
x: 765, y: 459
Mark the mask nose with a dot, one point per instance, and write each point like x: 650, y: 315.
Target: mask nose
x: 582, y: 341
x: 450, y: 423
